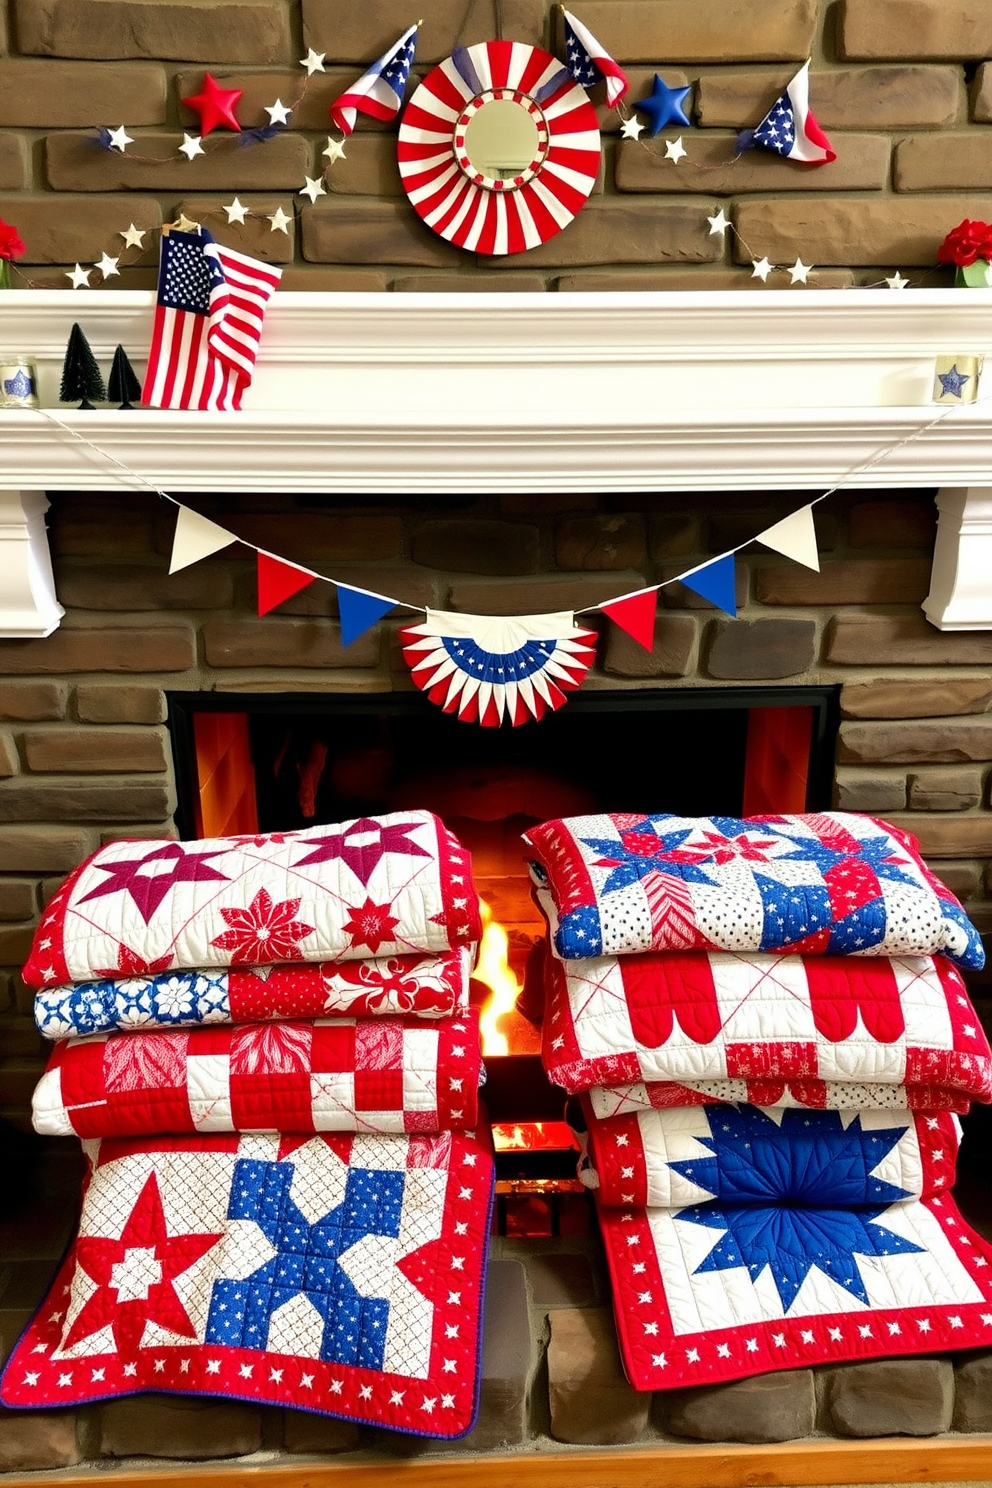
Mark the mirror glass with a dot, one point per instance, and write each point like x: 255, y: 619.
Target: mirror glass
x: 501, y: 140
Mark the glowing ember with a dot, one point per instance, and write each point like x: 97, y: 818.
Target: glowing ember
x: 493, y: 968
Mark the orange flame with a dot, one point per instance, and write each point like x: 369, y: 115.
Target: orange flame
x: 493, y: 968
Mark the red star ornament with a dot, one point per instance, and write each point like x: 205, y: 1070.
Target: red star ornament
x: 215, y: 105
x: 134, y: 1276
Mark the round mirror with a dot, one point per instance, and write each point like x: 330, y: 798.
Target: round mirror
x: 501, y: 140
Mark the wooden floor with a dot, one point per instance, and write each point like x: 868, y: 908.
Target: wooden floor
x: 894, y: 1460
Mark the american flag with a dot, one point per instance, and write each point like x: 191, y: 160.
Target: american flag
x: 208, y: 323
x: 789, y: 127
x: 589, y: 62
x: 378, y: 92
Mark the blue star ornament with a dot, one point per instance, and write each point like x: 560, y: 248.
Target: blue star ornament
x: 663, y: 105
x: 952, y: 382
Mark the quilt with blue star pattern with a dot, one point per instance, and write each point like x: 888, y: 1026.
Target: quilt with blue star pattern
x: 334, y: 1273
x: 377, y: 886
x: 789, y: 1238
x: 831, y: 883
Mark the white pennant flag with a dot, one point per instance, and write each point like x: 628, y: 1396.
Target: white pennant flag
x: 196, y: 537
x: 794, y: 537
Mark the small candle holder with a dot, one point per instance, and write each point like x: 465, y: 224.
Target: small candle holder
x: 18, y: 382
x: 956, y: 379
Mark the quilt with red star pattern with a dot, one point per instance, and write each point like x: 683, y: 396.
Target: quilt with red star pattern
x: 340, y: 1074
x: 685, y: 1028
x: 377, y: 886
x: 791, y: 1238
x: 833, y: 883
x: 384, y: 986
x: 336, y: 1273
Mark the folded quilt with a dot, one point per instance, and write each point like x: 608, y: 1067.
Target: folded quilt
x: 377, y: 886
x: 823, y: 1095
x: 783, y: 1270
x: 714, y: 1022
x: 672, y: 1158
x: 831, y: 883
x: 336, y: 1274
x: 384, y: 986
x: 366, y: 1075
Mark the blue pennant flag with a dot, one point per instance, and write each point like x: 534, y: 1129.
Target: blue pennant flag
x: 716, y: 583
x: 359, y: 610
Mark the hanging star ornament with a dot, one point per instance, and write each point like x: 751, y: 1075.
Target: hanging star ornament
x: 313, y: 61
x: 800, y: 272
x: 953, y: 382
x: 80, y: 277
x: 631, y: 128
x: 280, y: 222
x: 119, y: 139
x: 675, y: 150
x: 663, y: 105
x: 183, y: 224
x: 108, y: 266
x: 719, y: 224
x: 334, y: 151
x: 215, y: 105
x: 761, y: 269
x: 235, y: 210
x: 313, y: 188
x: 278, y: 112
x: 191, y: 146
x: 897, y: 281
x: 134, y: 237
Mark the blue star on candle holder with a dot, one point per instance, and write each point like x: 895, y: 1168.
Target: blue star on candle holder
x: 663, y: 105
x: 952, y: 382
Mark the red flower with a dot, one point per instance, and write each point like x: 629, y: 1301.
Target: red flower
x: 263, y: 932
x: 370, y: 925
x: 10, y: 244
x: 966, y: 243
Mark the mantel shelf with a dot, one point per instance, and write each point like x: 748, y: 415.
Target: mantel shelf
x: 390, y: 393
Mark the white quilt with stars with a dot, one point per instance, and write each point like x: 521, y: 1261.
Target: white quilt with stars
x: 334, y: 1273
x: 374, y: 887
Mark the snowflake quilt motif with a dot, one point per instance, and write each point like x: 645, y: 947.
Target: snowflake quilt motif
x: 336, y: 1274
x: 830, y: 883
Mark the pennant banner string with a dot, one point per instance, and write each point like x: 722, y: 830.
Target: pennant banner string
x: 852, y: 475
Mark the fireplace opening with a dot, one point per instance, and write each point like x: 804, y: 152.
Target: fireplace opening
x: 265, y: 763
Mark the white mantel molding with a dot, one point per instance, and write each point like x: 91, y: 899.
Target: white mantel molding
x: 386, y: 393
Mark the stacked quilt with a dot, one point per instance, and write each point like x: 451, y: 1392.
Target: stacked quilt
x: 769, y: 1040
x: 266, y: 1046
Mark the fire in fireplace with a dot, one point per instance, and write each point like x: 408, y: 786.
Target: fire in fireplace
x: 274, y: 763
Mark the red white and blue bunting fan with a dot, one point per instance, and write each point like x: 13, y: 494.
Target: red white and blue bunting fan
x: 789, y: 127
x: 535, y: 189
x: 494, y: 669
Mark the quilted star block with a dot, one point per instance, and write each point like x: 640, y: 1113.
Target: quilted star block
x: 828, y: 883
x: 375, y: 887
x: 340, y: 1274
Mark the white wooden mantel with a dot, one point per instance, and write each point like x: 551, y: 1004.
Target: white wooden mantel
x: 390, y: 393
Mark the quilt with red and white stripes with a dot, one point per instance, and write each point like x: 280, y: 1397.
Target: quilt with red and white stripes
x: 675, y: 1029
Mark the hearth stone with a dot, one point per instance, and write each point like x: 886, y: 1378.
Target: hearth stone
x: 176, y: 1427
x: 591, y: 1402
x: 768, y: 1408
x: 319, y: 1436
x: 33, y: 1441
x: 973, y: 1394
x: 891, y: 1397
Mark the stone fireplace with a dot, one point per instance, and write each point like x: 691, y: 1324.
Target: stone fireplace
x: 503, y: 460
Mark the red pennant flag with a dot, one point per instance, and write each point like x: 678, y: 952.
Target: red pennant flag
x: 635, y: 614
x: 278, y: 581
